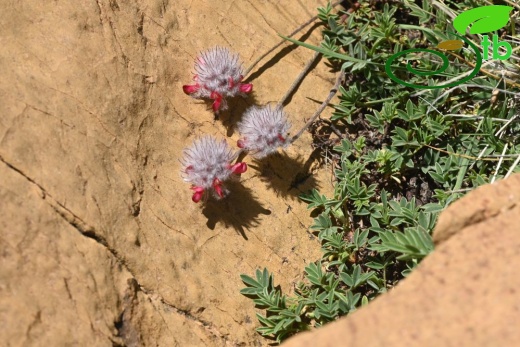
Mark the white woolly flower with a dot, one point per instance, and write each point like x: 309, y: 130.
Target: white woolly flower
x: 207, y: 164
x: 263, y: 130
x: 218, y: 75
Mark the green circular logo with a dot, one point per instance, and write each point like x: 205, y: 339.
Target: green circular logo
x: 445, y: 64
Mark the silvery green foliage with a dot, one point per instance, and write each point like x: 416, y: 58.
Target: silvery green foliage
x: 218, y: 75
x: 207, y: 164
x: 263, y: 130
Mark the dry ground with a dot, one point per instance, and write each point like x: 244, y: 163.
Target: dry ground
x: 100, y: 242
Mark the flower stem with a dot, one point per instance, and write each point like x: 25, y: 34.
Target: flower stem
x: 332, y: 92
x: 298, y: 79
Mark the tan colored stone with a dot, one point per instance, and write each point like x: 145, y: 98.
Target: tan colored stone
x: 494, y: 199
x: 464, y: 294
x: 93, y: 121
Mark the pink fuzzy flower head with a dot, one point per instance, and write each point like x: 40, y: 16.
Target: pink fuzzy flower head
x: 218, y: 75
x: 207, y: 165
x: 263, y: 130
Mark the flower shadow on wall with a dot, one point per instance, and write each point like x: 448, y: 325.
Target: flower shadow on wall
x: 281, y: 54
x: 239, y: 210
x: 286, y: 176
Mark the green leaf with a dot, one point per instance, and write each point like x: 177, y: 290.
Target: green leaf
x: 344, y: 147
x: 364, y: 301
x: 278, y: 327
x: 314, y: 274
x: 263, y: 278
x: 432, y: 207
x: 413, y: 243
x: 265, y: 321
x: 250, y: 281
x: 327, y: 52
x: 314, y: 199
x: 485, y: 19
x: 374, y: 265
x: 250, y: 291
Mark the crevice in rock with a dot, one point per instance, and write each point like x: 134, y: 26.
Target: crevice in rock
x: 75, y: 221
x: 137, y: 192
x: 69, y: 216
x: 113, y: 30
x: 125, y: 329
x: 90, y: 232
x: 37, y: 320
x: 208, y: 326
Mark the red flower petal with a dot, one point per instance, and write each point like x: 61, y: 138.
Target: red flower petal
x: 190, y: 89
x: 197, y: 196
x: 216, y: 105
x: 246, y: 88
x: 239, y: 168
x: 217, y: 185
x: 218, y: 100
x: 241, y: 143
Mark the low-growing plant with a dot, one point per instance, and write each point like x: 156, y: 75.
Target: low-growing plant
x: 400, y: 156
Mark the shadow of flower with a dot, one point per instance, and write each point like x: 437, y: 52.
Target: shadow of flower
x: 287, y: 176
x: 239, y: 209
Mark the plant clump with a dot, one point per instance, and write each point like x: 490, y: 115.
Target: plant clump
x: 399, y: 155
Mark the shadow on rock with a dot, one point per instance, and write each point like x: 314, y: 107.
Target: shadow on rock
x: 287, y: 176
x: 233, y: 114
x: 239, y: 209
x: 237, y: 107
x: 280, y: 55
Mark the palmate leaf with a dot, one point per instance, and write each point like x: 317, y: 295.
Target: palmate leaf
x: 348, y: 302
x: 357, y: 278
x: 485, y: 19
x: 315, y: 199
x: 326, y: 312
x: 413, y: 243
x: 315, y: 273
x: 255, y: 287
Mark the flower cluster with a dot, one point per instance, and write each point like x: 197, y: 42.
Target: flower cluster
x: 263, y: 130
x: 218, y: 74
x: 207, y: 165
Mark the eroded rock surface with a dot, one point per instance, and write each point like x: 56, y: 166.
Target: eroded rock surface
x: 100, y: 242
x: 464, y: 294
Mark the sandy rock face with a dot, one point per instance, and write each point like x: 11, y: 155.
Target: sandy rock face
x: 100, y: 242
x: 464, y: 294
